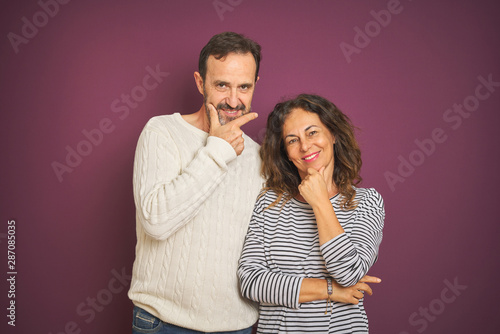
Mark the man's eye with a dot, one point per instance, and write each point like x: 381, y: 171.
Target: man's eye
x: 221, y: 85
x: 244, y: 87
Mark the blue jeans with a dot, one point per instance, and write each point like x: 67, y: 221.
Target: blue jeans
x: 145, y: 322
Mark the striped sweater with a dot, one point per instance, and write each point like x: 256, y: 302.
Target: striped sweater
x: 282, y: 247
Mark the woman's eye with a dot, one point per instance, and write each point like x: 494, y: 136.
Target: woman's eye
x: 313, y: 133
x: 292, y: 141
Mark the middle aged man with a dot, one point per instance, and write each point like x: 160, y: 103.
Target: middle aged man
x: 196, y: 179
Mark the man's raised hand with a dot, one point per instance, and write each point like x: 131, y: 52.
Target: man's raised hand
x: 231, y: 131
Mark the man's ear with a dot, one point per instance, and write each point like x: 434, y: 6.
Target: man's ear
x: 199, y: 82
x: 257, y: 79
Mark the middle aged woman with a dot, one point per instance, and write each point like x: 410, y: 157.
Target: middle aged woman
x: 313, y: 234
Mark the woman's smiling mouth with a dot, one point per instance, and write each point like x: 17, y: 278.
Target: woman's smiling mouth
x: 311, y: 157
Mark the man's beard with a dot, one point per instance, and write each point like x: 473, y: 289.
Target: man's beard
x: 223, y: 119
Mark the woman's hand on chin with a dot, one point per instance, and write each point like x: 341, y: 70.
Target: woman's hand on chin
x: 313, y: 187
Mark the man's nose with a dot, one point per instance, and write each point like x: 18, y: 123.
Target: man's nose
x: 232, y: 99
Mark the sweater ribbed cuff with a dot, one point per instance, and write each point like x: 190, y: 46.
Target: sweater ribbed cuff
x: 220, y: 149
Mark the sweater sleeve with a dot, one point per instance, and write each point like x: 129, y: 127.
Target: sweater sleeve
x: 166, y: 195
x: 258, y: 281
x: 348, y: 258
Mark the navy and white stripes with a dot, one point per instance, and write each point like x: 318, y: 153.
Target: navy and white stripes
x: 282, y: 248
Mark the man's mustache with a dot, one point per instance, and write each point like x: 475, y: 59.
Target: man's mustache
x: 227, y: 106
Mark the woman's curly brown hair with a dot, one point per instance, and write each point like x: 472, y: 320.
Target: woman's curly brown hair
x: 281, y: 174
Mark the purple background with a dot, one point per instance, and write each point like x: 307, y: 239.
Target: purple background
x: 74, y: 235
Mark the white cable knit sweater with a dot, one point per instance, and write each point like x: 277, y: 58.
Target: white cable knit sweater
x: 194, y: 198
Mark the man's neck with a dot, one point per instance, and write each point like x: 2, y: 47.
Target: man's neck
x: 198, y: 119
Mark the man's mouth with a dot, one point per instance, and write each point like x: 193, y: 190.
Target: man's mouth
x: 311, y: 157
x: 231, y: 111
x: 228, y: 110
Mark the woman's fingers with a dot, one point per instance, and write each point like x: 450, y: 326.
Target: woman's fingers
x: 370, y: 279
